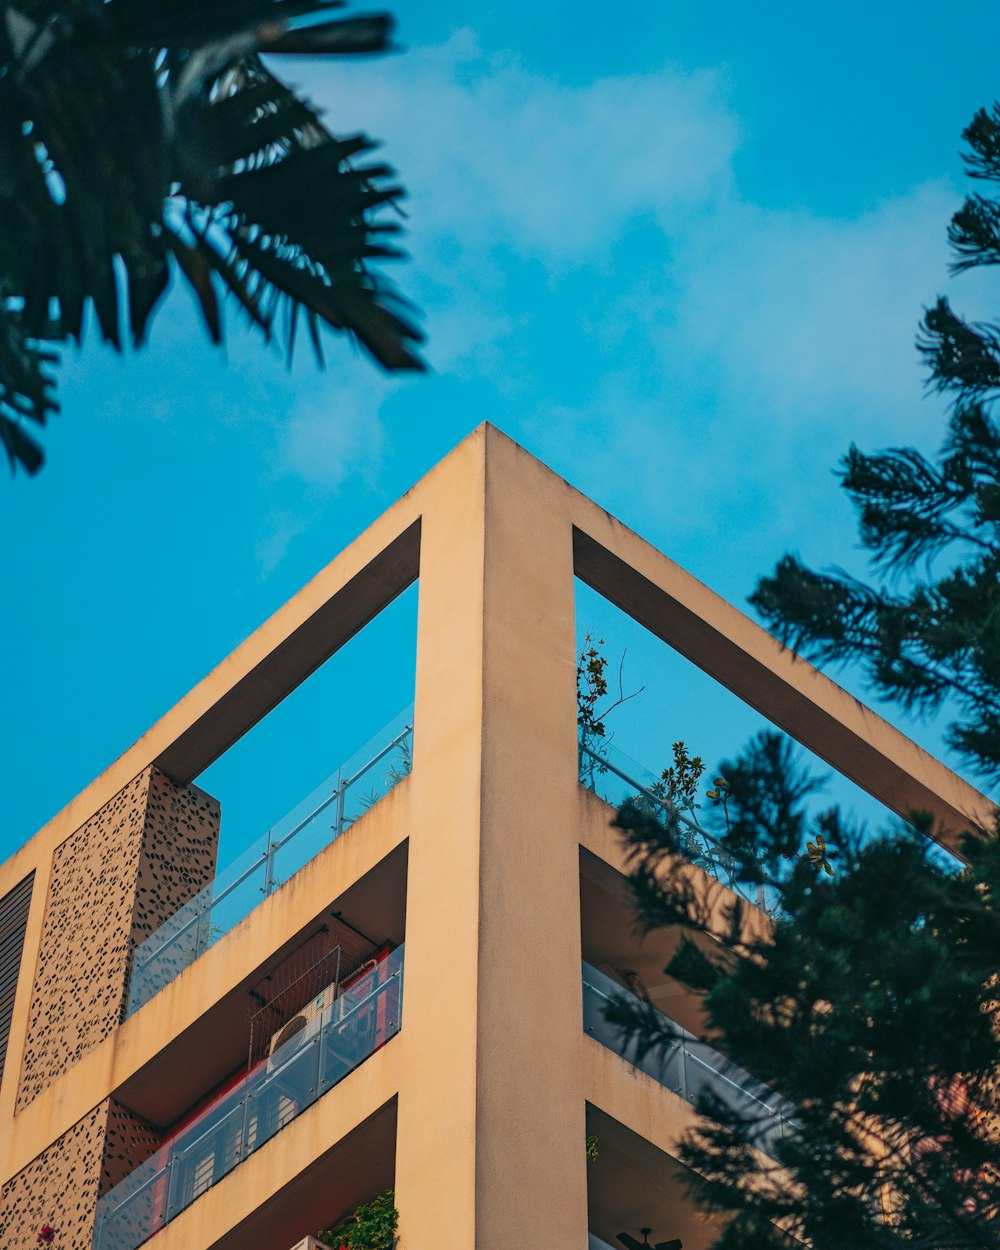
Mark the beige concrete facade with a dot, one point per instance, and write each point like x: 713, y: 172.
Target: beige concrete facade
x: 478, y: 1109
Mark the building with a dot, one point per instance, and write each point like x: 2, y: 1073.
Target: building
x: 237, y: 1065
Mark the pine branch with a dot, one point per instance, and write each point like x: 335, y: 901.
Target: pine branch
x: 974, y: 234
x: 962, y: 357
x: 982, y: 160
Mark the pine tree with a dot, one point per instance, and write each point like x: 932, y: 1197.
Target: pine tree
x: 873, y: 1005
x: 935, y: 643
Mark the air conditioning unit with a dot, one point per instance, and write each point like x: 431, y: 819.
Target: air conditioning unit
x: 302, y: 1026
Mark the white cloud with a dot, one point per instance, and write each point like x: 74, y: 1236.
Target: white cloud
x: 787, y: 311
x: 803, y: 315
x: 335, y: 430
x: 331, y: 435
x: 495, y: 154
x: 736, y: 348
x: 734, y: 383
x: 464, y: 336
x: 272, y: 546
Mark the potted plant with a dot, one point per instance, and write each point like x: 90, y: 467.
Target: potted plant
x: 371, y: 1226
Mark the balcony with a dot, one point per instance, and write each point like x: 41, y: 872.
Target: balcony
x: 275, y: 857
x: 614, y: 777
x: 688, y: 1066
x: 338, y: 1031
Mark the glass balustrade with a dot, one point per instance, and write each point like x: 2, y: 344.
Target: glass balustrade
x: 333, y: 1043
x: 687, y: 1065
x: 614, y: 777
x: 288, y: 846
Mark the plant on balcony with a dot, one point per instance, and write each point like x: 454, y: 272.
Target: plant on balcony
x: 591, y: 688
x: 396, y: 771
x: 402, y: 766
x: 46, y: 1235
x: 371, y: 1226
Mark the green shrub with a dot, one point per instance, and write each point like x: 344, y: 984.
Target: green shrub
x: 372, y: 1226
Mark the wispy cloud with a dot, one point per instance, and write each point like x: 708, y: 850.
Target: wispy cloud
x: 334, y: 430
x: 496, y: 155
x: 804, y: 315
x: 331, y: 437
x: 586, y: 251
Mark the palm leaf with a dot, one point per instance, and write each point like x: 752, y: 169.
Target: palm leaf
x: 350, y: 37
x: 192, y: 23
x: 362, y: 309
x: 198, y: 271
x: 140, y: 140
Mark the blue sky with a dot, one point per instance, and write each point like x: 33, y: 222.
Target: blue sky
x: 678, y: 251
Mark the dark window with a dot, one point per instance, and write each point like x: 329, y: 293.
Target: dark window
x: 13, y: 922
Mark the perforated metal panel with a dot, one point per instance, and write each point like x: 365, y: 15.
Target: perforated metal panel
x: 13, y: 921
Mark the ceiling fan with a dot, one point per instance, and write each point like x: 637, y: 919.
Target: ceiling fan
x: 630, y: 1242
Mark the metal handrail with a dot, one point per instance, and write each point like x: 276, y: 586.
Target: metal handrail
x: 275, y: 1072
x: 158, y: 1175
x: 342, y: 788
x: 202, y: 911
x: 679, y: 1044
x: 187, y: 1146
x: 241, y: 1153
x: 608, y: 766
x: 724, y: 858
x: 267, y: 853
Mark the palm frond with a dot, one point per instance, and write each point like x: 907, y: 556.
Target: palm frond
x: 141, y: 141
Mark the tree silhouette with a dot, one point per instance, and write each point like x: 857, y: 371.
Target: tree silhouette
x: 873, y: 1004
x: 146, y: 139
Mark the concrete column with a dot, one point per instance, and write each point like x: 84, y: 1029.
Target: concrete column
x: 531, y: 1169
x: 436, y: 1117
x: 491, y: 1137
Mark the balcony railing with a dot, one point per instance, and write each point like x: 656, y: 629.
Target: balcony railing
x: 615, y: 777
x: 297, y: 1073
x: 687, y: 1065
x: 288, y: 846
